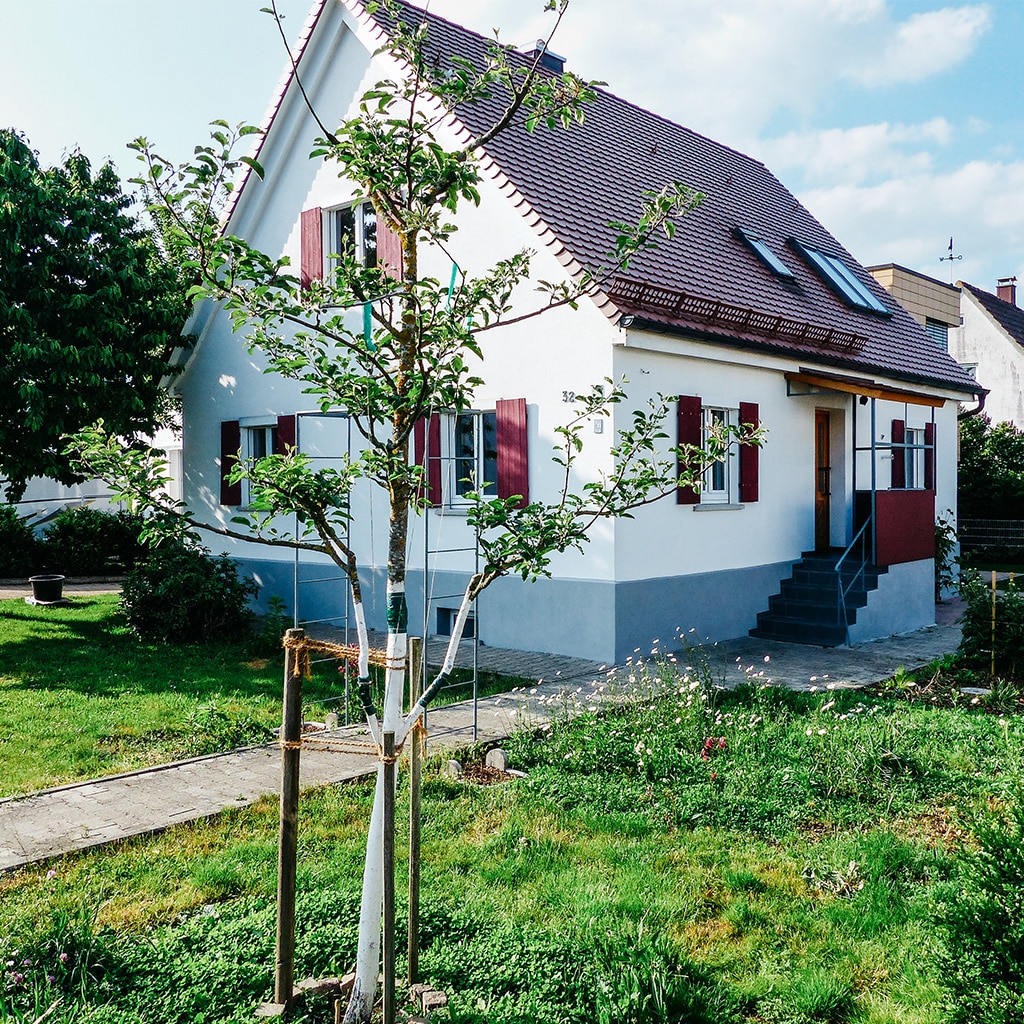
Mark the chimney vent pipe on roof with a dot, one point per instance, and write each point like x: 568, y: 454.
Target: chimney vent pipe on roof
x: 1006, y: 289
x: 548, y: 59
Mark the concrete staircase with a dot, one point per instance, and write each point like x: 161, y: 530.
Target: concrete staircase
x: 806, y: 611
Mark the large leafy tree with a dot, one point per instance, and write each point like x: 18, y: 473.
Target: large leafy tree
x: 991, y: 473
x: 90, y: 312
x: 421, y: 354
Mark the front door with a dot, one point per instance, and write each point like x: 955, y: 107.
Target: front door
x: 822, y: 481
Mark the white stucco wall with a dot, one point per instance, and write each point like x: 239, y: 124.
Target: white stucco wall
x: 999, y: 360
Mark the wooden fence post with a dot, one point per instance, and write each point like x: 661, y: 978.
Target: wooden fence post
x: 415, y: 778
x: 291, y: 738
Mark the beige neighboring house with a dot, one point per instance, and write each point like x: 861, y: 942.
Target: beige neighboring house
x: 982, y: 331
x: 934, y: 305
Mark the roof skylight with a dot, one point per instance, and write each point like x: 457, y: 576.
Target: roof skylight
x: 765, y: 254
x: 842, y: 280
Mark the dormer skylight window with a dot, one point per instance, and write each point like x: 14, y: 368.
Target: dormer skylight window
x: 838, y: 276
x: 765, y: 255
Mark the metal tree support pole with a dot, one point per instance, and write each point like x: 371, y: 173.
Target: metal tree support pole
x: 415, y: 780
x: 291, y: 736
x: 389, y: 877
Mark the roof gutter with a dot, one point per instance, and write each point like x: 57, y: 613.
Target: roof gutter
x: 640, y: 323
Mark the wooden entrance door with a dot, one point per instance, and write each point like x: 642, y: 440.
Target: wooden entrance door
x: 822, y: 480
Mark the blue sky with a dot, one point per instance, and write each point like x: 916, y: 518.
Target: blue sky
x: 898, y: 122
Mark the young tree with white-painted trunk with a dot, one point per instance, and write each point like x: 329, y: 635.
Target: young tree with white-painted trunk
x: 419, y: 357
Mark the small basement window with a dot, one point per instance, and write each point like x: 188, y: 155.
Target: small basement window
x: 842, y: 279
x: 765, y: 254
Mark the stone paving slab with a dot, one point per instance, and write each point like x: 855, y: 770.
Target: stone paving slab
x: 88, y: 814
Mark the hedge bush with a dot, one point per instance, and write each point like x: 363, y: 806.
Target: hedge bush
x: 18, y: 545
x: 183, y: 594
x: 86, y: 541
x: 976, y: 645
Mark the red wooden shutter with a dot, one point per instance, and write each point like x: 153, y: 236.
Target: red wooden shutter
x: 389, y: 250
x: 929, y: 457
x: 687, y: 432
x: 749, y: 455
x: 426, y: 434
x: 311, y: 260
x: 899, y: 457
x: 513, y: 450
x: 284, y: 439
x: 230, y: 442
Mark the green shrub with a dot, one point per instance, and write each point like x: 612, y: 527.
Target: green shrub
x: 183, y: 594
x: 86, y: 541
x: 977, y: 643
x: 17, y: 544
x: 982, y: 920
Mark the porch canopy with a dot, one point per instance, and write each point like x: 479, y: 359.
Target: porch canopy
x: 896, y: 524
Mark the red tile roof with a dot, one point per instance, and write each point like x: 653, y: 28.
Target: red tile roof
x: 705, y: 282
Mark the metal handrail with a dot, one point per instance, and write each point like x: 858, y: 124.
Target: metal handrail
x: 859, y: 574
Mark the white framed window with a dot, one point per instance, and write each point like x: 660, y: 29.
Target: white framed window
x: 350, y: 228
x: 719, y: 476
x: 913, y: 458
x: 473, y: 454
x: 258, y: 441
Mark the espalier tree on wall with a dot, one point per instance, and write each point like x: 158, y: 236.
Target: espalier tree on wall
x: 421, y: 356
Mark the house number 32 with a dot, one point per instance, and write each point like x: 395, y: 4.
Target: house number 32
x: 569, y: 396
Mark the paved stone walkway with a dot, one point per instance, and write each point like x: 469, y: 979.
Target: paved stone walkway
x: 87, y: 814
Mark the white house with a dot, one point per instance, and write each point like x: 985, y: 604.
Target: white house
x: 990, y: 342
x: 753, y: 312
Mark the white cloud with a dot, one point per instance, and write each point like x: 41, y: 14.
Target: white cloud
x: 726, y: 67
x: 925, y: 44
x: 909, y: 220
x: 856, y: 155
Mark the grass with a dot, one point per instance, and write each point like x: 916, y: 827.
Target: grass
x: 756, y: 855
x: 81, y: 696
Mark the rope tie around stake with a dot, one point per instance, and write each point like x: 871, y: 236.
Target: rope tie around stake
x: 303, y: 646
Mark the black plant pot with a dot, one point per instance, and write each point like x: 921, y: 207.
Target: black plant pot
x: 47, y: 589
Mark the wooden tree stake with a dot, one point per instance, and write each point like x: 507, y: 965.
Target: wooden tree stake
x: 415, y: 779
x: 291, y: 737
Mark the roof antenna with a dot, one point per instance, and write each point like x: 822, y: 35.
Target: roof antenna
x: 950, y: 259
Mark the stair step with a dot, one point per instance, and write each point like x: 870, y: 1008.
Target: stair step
x: 828, y: 596
x: 806, y: 609
x: 805, y: 574
x: 797, y: 631
x: 781, y: 607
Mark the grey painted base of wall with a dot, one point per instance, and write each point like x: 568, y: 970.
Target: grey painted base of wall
x: 904, y: 600
x: 594, y: 619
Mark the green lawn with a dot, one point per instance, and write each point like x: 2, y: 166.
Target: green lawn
x: 755, y: 856
x: 80, y: 696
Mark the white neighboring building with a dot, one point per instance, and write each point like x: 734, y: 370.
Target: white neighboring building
x: 753, y: 312
x: 990, y: 343
x: 44, y: 497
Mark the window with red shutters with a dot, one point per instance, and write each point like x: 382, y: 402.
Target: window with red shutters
x: 749, y: 455
x: 513, y: 450
x: 929, y: 456
x: 284, y: 436
x: 311, y: 254
x: 899, y: 462
x: 688, y: 431
x: 230, y: 442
